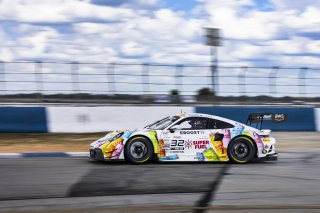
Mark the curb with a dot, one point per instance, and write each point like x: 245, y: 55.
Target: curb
x: 43, y: 154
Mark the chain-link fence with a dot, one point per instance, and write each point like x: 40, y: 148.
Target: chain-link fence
x: 136, y: 79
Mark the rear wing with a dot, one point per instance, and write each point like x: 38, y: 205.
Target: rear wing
x: 258, y: 118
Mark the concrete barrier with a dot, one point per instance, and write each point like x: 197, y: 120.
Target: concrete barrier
x: 106, y: 118
x: 98, y: 119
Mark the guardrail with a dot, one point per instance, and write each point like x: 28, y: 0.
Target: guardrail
x: 46, y: 77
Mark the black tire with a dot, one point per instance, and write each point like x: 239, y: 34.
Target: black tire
x: 241, y: 150
x: 138, y: 150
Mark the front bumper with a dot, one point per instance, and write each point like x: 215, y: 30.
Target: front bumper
x: 96, y: 154
x: 271, y: 157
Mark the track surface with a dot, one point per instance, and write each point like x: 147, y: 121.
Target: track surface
x: 76, y: 183
x: 77, y: 177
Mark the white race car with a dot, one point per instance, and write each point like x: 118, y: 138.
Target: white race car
x: 191, y: 137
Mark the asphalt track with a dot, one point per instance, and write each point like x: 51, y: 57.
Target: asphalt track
x: 79, y: 185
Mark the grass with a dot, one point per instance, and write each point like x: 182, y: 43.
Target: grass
x: 46, y: 142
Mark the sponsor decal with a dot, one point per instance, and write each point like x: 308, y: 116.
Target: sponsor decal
x: 170, y: 157
x: 185, y: 132
x: 188, y: 144
x: 177, y: 136
x: 200, y: 144
x: 166, y: 146
x: 266, y: 139
x: 279, y: 117
x: 177, y: 151
x: 200, y: 157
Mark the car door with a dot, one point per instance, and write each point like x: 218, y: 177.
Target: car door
x: 185, y: 140
x: 220, y: 136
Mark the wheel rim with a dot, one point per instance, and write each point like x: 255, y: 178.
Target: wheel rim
x: 138, y: 150
x: 241, y: 150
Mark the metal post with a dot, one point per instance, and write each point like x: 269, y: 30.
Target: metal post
x: 110, y: 73
x: 38, y: 78
x: 75, y: 78
x: 213, y: 40
x: 302, y: 77
x: 214, y: 68
x: 178, y: 76
x: 3, y: 77
x: 145, y: 78
x: 242, y: 81
x: 273, y: 80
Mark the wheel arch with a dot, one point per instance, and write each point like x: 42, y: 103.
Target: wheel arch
x: 138, y: 136
x: 249, y: 138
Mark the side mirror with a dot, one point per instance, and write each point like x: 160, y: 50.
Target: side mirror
x: 172, y: 130
x: 175, y: 128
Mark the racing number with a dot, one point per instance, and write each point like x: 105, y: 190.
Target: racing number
x: 177, y: 143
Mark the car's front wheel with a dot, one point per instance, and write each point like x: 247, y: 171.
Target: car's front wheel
x: 138, y: 150
x: 241, y: 150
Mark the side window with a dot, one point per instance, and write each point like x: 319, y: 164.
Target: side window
x: 217, y: 124
x: 192, y: 123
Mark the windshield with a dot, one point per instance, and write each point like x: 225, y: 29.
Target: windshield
x: 161, y: 124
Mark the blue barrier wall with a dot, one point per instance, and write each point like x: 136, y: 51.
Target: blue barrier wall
x: 299, y: 119
x: 23, y: 119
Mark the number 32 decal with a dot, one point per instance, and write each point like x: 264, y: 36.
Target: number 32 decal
x: 177, y: 143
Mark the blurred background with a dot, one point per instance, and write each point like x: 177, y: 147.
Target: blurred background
x: 159, y: 51
x: 71, y: 70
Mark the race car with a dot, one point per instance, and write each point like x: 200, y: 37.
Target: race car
x: 190, y: 137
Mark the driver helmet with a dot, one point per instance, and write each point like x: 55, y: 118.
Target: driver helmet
x: 197, y: 124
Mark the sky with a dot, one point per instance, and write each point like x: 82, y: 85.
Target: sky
x: 254, y: 32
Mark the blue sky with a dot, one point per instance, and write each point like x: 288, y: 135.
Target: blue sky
x: 255, y: 32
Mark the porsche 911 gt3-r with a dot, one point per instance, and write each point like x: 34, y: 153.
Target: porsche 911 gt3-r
x: 189, y: 137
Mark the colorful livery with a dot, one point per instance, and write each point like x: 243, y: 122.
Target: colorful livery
x: 187, y: 137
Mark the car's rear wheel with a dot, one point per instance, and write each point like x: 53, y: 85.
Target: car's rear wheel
x: 241, y: 150
x: 138, y: 150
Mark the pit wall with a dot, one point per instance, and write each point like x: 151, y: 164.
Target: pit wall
x: 106, y: 118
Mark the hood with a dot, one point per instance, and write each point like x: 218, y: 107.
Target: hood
x: 111, y: 137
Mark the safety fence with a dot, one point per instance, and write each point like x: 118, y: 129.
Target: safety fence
x: 128, y: 78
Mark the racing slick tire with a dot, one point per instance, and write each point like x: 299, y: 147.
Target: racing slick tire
x: 241, y: 150
x: 138, y: 150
